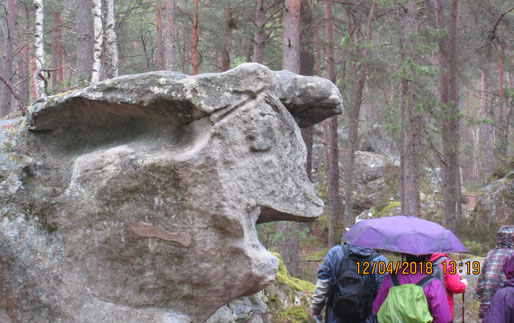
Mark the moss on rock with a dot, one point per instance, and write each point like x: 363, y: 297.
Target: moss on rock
x: 293, y: 314
x: 287, y: 297
x: 283, y: 277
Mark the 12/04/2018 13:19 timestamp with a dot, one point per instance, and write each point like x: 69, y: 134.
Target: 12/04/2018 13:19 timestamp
x: 412, y: 268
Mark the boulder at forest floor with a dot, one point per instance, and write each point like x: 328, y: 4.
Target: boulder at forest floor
x: 136, y: 199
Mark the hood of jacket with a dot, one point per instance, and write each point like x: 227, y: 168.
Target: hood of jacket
x: 361, y: 251
x: 438, y: 255
x: 505, y: 237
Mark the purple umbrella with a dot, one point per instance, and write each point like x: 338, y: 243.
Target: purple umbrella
x: 405, y: 234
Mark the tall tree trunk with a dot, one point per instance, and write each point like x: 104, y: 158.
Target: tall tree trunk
x: 449, y: 120
x: 194, y: 45
x: 502, y: 144
x: 403, y: 128
x: 334, y: 199
x: 411, y: 203
x: 307, y: 68
x: 486, y: 135
x: 32, y: 74
x: 291, y: 42
x: 510, y: 114
x: 84, y: 40
x: 260, y: 37
x: 185, y: 51
x: 98, y: 41
x: 57, y: 55
x: 111, y: 42
x: 11, y: 10
x: 455, y: 112
x: 467, y: 173
x: 39, y: 83
x: 227, y: 39
x: 290, y: 246
x: 170, y: 35
x: 23, y: 58
x: 160, y: 51
x: 317, y: 47
x: 353, y: 129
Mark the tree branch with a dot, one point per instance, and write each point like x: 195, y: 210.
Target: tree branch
x: 19, y: 103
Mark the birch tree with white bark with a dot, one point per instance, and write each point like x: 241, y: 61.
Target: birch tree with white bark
x: 39, y: 82
x: 98, y: 41
x: 111, y: 42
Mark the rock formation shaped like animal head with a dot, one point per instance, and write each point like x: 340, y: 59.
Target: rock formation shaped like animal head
x: 136, y: 199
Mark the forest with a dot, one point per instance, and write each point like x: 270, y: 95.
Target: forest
x: 427, y: 87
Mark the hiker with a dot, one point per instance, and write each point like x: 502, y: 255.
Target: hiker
x: 491, y: 275
x: 452, y: 281
x: 501, y: 308
x: 340, y: 274
x: 403, y: 302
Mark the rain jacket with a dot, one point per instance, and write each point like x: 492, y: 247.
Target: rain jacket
x: 501, y: 308
x: 491, y: 275
x: 434, y: 293
x: 452, y: 283
x: 327, y: 271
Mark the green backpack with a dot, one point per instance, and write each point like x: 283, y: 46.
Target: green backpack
x: 406, y: 303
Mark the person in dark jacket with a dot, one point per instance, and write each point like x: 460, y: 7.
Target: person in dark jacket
x: 327, y: 273
x: 501, y: 308
x: 491, y: 275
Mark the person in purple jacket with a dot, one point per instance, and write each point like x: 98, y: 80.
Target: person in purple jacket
x: 434, y: 291
x: 501, y: 308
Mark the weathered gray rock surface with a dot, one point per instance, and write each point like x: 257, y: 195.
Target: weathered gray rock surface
x: 495, y: 205
x: 373, y: 179
x: 286, y: 299
x: 136, y: 199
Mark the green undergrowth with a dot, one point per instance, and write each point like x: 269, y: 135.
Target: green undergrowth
x: 384, y: 209
x: 293, y: 314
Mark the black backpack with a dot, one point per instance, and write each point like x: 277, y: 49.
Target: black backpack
x: 351, y: 293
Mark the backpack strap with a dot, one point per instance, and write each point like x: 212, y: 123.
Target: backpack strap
x: 439, y: 260
x: 394, y: 280
x: 346, y: 250
x: 425, y: 281
x: 346, y: 255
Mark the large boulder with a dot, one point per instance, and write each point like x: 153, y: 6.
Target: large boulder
x: 495, y: 205
x: 369, y: 166
x: 379, y: 140
x: 375, y: 178
x: 136, y: 199
x: 287, y: 299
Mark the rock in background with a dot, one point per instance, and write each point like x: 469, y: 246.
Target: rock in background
x: 495, y: 204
